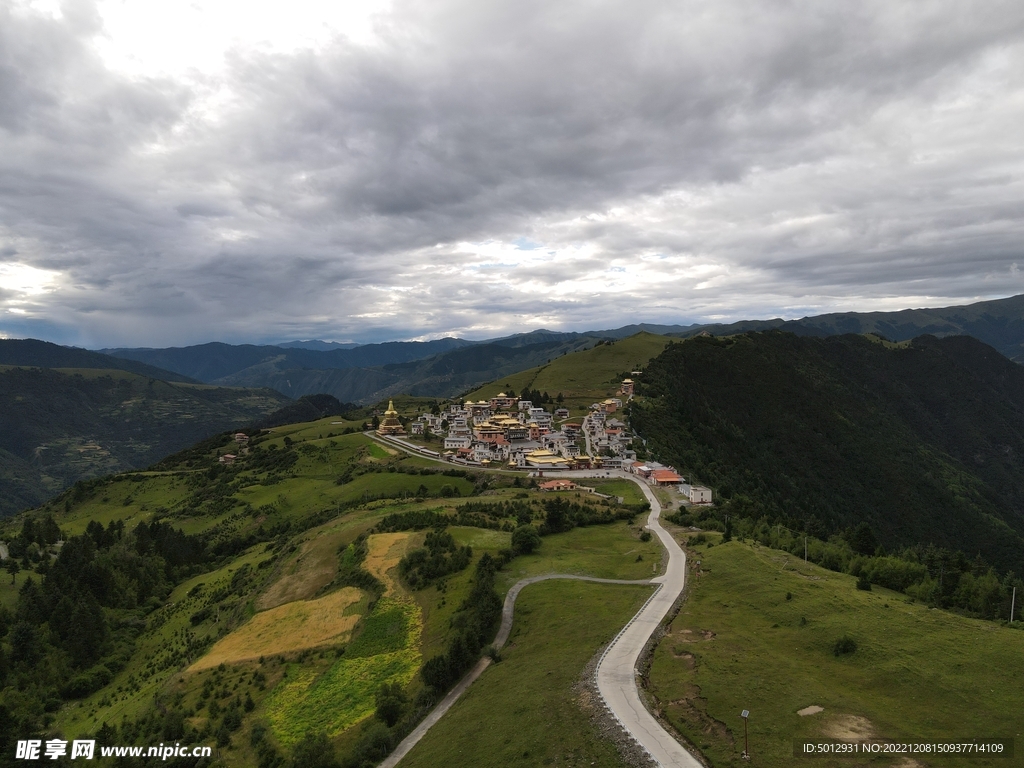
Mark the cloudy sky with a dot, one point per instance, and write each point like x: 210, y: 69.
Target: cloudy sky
x: 175, y: 173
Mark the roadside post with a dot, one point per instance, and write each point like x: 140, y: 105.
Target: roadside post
x: 746, y: 745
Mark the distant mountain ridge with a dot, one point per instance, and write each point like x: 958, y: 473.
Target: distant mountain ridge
x: 317, y: 344
x: 369, y: 372
x: 44, y: 354
x: 444, y: 375
x: 999, y: 323
x: 216, y: 360
x: 365, y: 373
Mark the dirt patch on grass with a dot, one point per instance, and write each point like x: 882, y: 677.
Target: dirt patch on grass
x: 312, y: 569
x: 383, y: 551
x: 688, y: 636
x: 849, y: 727
x: 286, y: 629
x: 811, y: 710
x: 694, y: 711
x: 682, y: 653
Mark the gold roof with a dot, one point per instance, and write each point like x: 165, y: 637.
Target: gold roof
x: 391, y: 409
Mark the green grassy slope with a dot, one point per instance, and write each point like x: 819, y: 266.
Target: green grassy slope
x: 740, y: 643
x: 273, y: 531
x: 527, y: 710
x: 582, y: 377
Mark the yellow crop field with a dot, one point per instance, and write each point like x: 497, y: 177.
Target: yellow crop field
x: 287, y: 628
x: 384, y: 550
x: 386, y: 651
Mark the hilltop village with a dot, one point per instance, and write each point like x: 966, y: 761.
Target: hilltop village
x: 507, y: 431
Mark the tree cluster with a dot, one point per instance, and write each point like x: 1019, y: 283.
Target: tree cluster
x: 475, y: 624
x: 439, y: 557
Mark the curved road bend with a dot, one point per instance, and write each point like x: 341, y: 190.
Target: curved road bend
x: 504, y: 630
x: 616, y: 672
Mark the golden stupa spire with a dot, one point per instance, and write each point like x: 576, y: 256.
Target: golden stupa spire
x: 391, y: 424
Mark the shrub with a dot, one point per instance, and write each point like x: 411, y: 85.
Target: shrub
x: 525, y: 539
x: 843, y: 646
x: 314, y: 751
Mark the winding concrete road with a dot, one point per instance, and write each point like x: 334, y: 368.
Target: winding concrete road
x: 507, y: 611
x: 616, y: 671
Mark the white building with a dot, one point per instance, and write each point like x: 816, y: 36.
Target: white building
x: 700, y: 495
x: 454, y: 442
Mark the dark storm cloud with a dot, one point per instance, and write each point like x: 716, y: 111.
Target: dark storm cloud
x: 670, y: 161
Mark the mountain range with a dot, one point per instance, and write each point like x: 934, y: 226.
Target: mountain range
x: 998, y: 323
x: 147, y: 403
x: 446, y: 367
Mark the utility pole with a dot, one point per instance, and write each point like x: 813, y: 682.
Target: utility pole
x: 1013, y: 603
x: 805, y: 549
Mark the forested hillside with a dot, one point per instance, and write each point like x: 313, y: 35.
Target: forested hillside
x: 57, y: 427
x: 923, y: 440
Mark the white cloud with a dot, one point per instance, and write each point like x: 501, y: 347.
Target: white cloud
x: 23, y: 280
x: 256, y: 171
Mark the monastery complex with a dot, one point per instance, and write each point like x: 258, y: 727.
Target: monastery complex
x: 510, y: 432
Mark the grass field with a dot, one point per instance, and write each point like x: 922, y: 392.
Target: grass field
x: 287, y: 628
x: 315, y: 562
x: 612, y: 551
x: 524, y: 711
x: 625, y: 489
x: 582, y: 377
x: 384, y: 550
x: 740, y: 643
